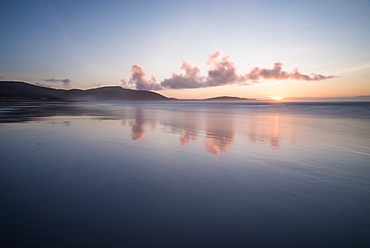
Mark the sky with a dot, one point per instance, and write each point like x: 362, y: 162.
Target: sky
x: 190, y: 49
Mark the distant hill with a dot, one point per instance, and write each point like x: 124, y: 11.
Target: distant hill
x: 228, y: 99
x: 12, y: 90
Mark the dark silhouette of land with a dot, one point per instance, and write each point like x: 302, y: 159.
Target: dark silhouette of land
x: 228, y: 98
x: 21, y: 91
x: 12, y: 90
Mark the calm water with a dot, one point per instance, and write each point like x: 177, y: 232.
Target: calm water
x: 185, y: 175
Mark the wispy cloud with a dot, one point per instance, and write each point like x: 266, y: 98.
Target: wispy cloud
x: 277, y: 73
x: 66, y: 82
x: 221, y: 71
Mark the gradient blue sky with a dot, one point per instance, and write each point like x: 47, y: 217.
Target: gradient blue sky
x: 95, y: 43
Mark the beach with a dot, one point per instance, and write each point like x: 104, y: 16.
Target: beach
x: 185, y: 174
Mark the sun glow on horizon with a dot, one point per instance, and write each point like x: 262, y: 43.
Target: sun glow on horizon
x: 276, y: 98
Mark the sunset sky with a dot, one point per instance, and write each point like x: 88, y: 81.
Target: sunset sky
x: 190, y: 49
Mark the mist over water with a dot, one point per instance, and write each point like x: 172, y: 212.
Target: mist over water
x: 185, y: 174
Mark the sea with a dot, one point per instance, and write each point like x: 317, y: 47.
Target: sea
x: 185, y: 174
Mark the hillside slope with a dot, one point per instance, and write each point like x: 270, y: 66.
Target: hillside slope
x: 12, y: 90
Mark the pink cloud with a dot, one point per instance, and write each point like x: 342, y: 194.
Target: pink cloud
x: 190, y: 79
x: 139, y: 81
x: 277, y: 73
x: 221, y: 71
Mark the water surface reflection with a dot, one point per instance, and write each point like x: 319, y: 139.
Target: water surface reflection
x: 184, y: 175
x: 216, y: 129
x: 216, y: 126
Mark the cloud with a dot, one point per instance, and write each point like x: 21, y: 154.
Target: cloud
x: 277, y: 73
x: 221, y: 71
x: 66, y: 82
x: 190, y: 79
x: 139, y: 81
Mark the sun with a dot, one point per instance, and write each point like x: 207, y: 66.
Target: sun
x: 276, y: 98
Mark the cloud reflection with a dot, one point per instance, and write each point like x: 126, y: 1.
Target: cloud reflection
x: 189, y: 129
x: 216, y: 127
x: 220, y: 133
x: 139, y: 123
x: 217, y: 130
x: 138, y: 126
